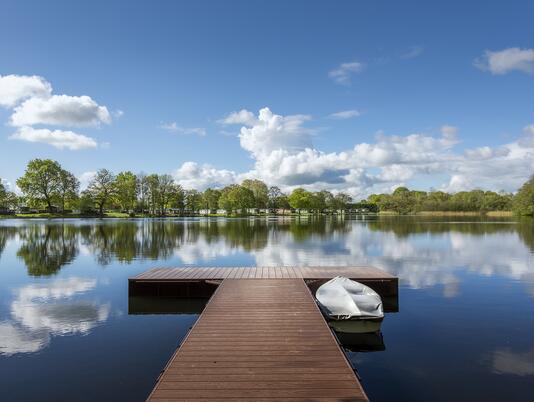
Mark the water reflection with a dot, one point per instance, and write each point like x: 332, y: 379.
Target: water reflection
x: 421, y: 251
x: 6, y: 233
x: 506, y: 361
x: 51, y: 293
x: 46, y: 248
x: 40, y: 311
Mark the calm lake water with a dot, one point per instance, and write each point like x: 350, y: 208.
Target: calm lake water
x: 464, y: 330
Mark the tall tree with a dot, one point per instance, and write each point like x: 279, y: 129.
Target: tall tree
x: 8, y: 199
x: 40, y: 182
x: 167, y: 189
x: 523, y: 203
x: 177, y: 198
x: 300, y: 199
x: 242, y: 198
x: 102, y: 189
x: 143, y: 191
x: 3, y: 195
x: 210, y: 199
x: 342, y: 200
x: 327, y: 199
x: 86, y: 204
x: 68, y: 187
x: 193, y: 200
x: 259, y: 191
x: 236, y: 198
x: 225, y: 202
x: 152, y: 185
x: 322, y: 200
x: 127, y: 187
x: 277, y: 199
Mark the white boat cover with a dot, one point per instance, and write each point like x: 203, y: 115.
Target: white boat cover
x: 343, y: 299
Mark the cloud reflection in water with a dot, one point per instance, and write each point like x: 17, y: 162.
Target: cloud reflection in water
x: 40, y: 311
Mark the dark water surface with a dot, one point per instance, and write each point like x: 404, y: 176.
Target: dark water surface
x: 464, y: 332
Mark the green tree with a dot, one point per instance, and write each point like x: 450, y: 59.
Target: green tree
x: 143, y: 192
x: 102, y: 189
x: 152, y: 192
x: 166, y: 190
x: 68, y: 187
x: 402, y: 201
x: 86, y: 203
x: 236, y: 198
x: 300, y: 199
x: 342, y: 201
x: 436, y: 201
x: 277, y: 199
x: 283, y: 202
x: 8, y: 199
x: 127, y: 189
x: 4, y: 196
x: 210, y: 199
x: 177, y: 198
x: 243, y: 198
x: 224, y: 200
x: 3, y: 193
x: 259, y: 190
x: 193, y: 200
x: 41, y: 181
x: 318, y: 201
x: 523, y: 202
x: 327, y: 199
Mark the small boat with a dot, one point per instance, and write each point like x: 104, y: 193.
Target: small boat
x: 342, y: 299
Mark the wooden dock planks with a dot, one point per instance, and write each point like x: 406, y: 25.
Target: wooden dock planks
x: 201, y: 281
x: 197, y: 273
x: 259, y: 339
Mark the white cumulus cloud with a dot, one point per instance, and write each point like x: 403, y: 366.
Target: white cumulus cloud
x: 192, y: 175
x: 242, y: 117
x: 33, y: 104
x: 60, y: 110
x: 507, y: 60
x: 283, y: 154
x: 271, y: 132
x: 57, y: 138
x: 15, y: 88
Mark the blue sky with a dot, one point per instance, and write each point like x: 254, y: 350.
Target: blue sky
x: 435, y: 95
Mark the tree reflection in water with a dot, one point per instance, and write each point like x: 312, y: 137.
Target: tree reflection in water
x: 45, y: 247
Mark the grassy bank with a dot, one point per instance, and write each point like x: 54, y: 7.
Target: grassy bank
x: 61, y: 216
x: 455, y: 213
x: 125, y: 215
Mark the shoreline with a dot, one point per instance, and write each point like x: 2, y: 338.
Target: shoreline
x: 119, y: 215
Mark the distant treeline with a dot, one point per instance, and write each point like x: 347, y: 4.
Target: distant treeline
x: 405, y: 201
x: 46, y: 186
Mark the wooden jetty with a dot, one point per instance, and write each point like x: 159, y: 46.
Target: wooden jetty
x: 202, y: 281
x: 261, y: 337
